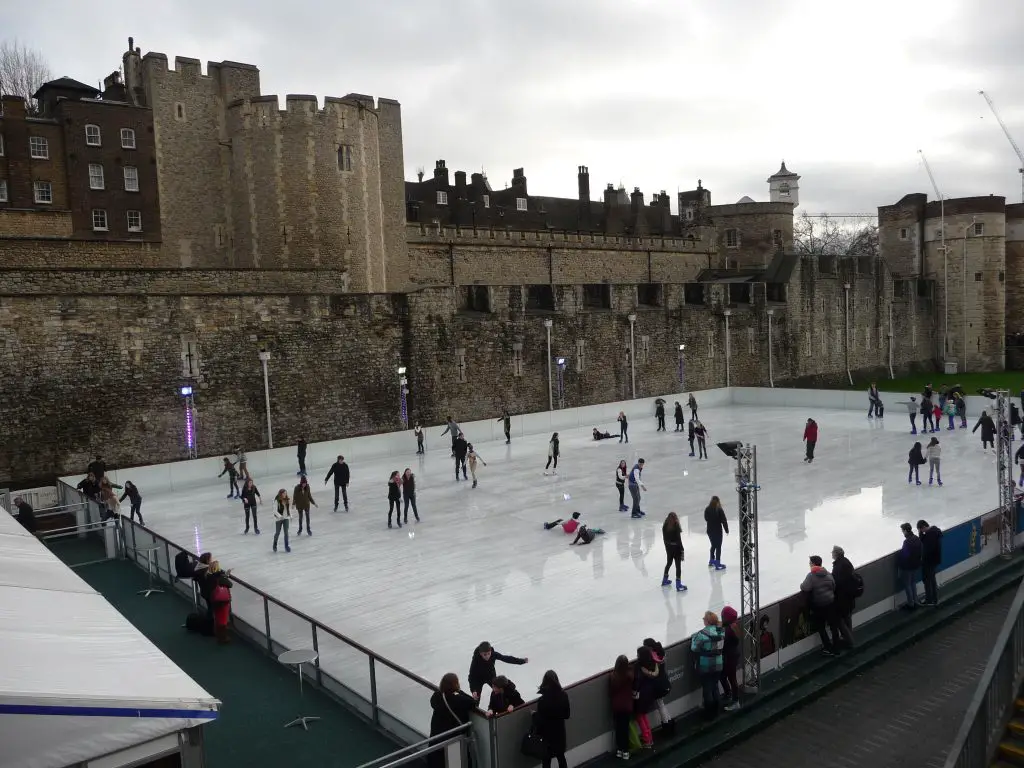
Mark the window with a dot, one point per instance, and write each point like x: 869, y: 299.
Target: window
x: 645, y: 349
x: 92, y: 136
x: 777, y: 238
x: 95, y: 176
x: 597, y: 296
x: 127, y: 138
x: 460, y: 364
x: 784, y: 189
x: 540, y: 298
x: 131, y: 178
x: 648, y: 294
x: 732, y: 238
x: 517, y: 359
x: 904, y: 233
x: 711, y: 344
x: 344, y: 157
x: 42, y: 191
x: 979, y: 229
x: 739, y: 293
x: 39, y: 148
x: 581, y: 358
x: 977, y: 277
x: 693, y: 293
x: 520, y: 203
x: 750, y: 341
x: 487, y: 201
x: 476, y: 298
x: 179, y: 111
x: 99, y: 220
x: 807, y: 344
x: 134, y: 221
x: 3, y: 190
x: 1, y: 145
x: 689, y: 214
x: 442, y: 198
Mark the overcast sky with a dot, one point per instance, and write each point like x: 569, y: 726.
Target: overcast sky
x: 648, y: 93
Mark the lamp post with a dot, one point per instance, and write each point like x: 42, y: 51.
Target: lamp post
x: 265, y: 358
x: 682, y: 368
x: 561, y: 382
x: 551, y: 397
x: 632, y: 354
x: 963, y: 276
x: 771, y: 372
x: 846, y: 321
x: 190, y: 420
x: 403, y: 388
x: 728, y: 313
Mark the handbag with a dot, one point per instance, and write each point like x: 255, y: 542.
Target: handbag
x: 533, y: 744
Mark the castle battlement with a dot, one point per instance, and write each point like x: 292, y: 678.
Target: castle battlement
x: 307, y: 106
x: 190, y: 67
x: 425, y: 233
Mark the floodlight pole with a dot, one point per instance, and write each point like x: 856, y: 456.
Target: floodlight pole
x: 750, y: 591
x: 264, y: 358
x: 1004, y: 473
x: 551, y: 397
x: 632, y: 355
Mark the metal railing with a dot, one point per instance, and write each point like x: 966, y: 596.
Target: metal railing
x: 386, y: 694
x: 456, y: 743
x: 979, y: 735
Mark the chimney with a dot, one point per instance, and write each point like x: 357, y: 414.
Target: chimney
x: 460, y: 183
x: 441, y: 172
x: 12, y: 106
x: 519, y: 181
x: 477, y: 179
x: 636, y: 199
x: 113, y: 88
x: 584, y: 182
x: 609, y: 195
x: 664, y: 199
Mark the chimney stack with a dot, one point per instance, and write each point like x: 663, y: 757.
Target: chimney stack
x: 519, y: 181
x: 460, y: 183
x: 584, y: 183
x: 441, y: 172
x: 636, y: 199
x: 609, y: 195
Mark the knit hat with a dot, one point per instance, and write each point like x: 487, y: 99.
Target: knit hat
x: 728, y: 615
x: 575, y: 515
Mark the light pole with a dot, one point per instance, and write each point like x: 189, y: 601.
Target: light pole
x: 846, y: 320
x: 264, y: 358
x: 728, y: 313
x: 403, y: 388
x: 561, y: 382
x: 190, y: 421
x: 942, y: 237
x: 963, y: 269
x: 771, y: 373
x: 551, y: 397
x: 682, y: 368
x: 632, y: 354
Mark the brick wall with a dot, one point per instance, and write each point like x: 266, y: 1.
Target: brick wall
x: 34, y: 224
x: 20, y: 169
x: 59, y: 254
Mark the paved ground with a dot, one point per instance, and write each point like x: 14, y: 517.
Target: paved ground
x: 904, y: 712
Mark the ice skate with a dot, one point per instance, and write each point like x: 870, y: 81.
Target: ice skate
x: 719, y: 566
x: 666, y: 581
x: 636, y: 515
x: 474, y: 483
x: 680, y: 587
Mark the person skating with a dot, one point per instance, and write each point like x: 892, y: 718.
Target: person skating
x: 949, y: 409
x: 927, y: 422
x: 931, y: 558
x: 701, y: 433
x: 552, y: 454
x: 934, y: 452
x: 409, y: 494
x: 241, y: 464
x: 915, y: 460
x: 282, y: 517
x: 936, y: 417
x: 961, y: 409
x: 584, y: 533
x: 599, y: 435
x: 622, y: 471
x: 418, y: 431
x: 820, y: 588
x: 481, y: 669
x: 394, y: 498
x: 250, y: 496
x: 659, y: 414
x: 717, y: 528
x: 691, y: 434
x: 908, y: 561
x: 691, y: 403
x: 229, y: 468
x: 301, y: 455
x: 452, y: 429
x: 672, y: 536
x: 680, y: 421
x: 459, y: 450
x: 302, y: 499
x: 340, y: 472
x: 873, y: 400
x: 132, y: 493
x: 623, y: 427
x: 912, y: 412
x: 471, y: 459
x: 635, y: 486
x: 988, y: 431
x: 811, y: 439
x: 506, y: 423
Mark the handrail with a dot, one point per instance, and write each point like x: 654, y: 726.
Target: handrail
x: 962, y: 746
x: 447, y: 735
x: 95, y: 525
x: 423, y: 753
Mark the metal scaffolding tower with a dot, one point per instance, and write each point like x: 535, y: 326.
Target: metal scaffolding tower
x: 1004, y: 471
x: 750, y: 591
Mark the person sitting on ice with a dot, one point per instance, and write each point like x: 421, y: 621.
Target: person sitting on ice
x: 569, y: 526
x: 599, y: 435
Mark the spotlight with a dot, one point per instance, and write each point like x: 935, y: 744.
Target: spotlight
x: 186, y: 391
x: 730, y: 448
x: 401, y: 370
x: 560, y: 361
x: 682, y: 347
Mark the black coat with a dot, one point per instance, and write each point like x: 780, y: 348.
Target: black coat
x: 842, y: 574
x: 460, y: 446
x: 716, y: 522
x: 916, y: 456
x: 339, y: 470
x: 449, y: 711
x: 673, y: 540
x: 552, y: 712
x: 249, y: 495
x: 646, y: 687
x: 482, y: 672
x: 409, y: 486
x: 988, y: 428
x: 302, y: 449
x: 509, y: 697
x: 679, y: 415
x: 394, y: 494
x: 659, y: 411
x: 931, y: 546
x: 98, y: 468
x: 26, y: 517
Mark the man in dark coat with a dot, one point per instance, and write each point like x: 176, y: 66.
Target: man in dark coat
x: 25, y: 515
x: 908, y: 561
x: 339, y: 471
x: 931, y: 557
x: 302, y: 456
x: 460, y: 447
x: 988, y: 430
x: 98, y: 468
x: 846, y: 592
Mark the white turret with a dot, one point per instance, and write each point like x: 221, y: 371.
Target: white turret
x: 784, y: 186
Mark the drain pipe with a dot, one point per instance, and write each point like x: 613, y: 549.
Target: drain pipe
x: 728, y: 312
x: 846, y: 287
x: 264, y: 357
x: 771, y: 375
x: 891, y: 340
x: 632, y: 355
x: 551, y: 396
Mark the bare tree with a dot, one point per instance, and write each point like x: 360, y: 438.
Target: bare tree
x: 22, y: 71
x: 835, y: 236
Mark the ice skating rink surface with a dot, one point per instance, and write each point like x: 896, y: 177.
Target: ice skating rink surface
x: 481, y: 567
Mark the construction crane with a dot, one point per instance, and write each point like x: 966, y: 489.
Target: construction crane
x: 942, y: 236
x: 1020, y: 155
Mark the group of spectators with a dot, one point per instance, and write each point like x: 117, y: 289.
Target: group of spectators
x: 97, y: 487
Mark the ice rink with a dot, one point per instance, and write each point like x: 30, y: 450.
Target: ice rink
x: 481, y: 567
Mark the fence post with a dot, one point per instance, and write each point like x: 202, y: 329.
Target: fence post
x: 373, y: 691
x: 316, y: 661
x: 266, y: 621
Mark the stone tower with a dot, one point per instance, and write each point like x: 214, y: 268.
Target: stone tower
x: 784, y: 186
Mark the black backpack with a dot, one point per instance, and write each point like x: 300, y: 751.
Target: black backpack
x: 183, y: 565
x: 857, y: 582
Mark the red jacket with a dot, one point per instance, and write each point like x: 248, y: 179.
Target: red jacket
x: 811, y: 432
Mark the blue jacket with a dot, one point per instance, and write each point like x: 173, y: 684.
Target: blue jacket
x: 707, y: 645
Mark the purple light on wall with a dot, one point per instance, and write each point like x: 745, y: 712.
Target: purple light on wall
x: 189, y: 433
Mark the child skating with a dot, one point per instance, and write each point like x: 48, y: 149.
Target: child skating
x: 912, y: 412
x: 936, y: 417
x: 934, y: 455
x: 472, y: 458
x: 915, y: 460
x: 811, y: 439
x: 949, y: 408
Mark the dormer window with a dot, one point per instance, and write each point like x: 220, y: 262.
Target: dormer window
x: 442, y: 198
x: 487, y: 201
x: 520, y: 203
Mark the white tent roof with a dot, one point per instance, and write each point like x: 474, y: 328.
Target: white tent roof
x: 77, y: 679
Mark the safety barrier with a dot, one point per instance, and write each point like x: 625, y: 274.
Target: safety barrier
x: 457, y: 745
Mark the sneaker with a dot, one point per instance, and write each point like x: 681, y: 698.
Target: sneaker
x: 732, y: 707
x: 828, y: 652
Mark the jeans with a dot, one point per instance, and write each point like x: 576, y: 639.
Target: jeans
x: 674, y: 556
x: 410, y: 498
x: 716, y: 548
x: 255, y: 522
x: 622, y: 490
x: 913, y: 422
x: 622, y: 721
x: 933, y: 469
x: 136, y: 510
x: 702, y: 448
x: 690, y: 440
x: 308, y: 526
x: 419, y: 444
x: 872, y: 407
x: 909, y: 580
x: 914, y: 473
x: 634, y: 492
x: 926, y: 422
x: 730, y: 686
x: 302, y: 463
x: 810, y: 449
x: 931, y: 586
x: 550, y: 459
x: 233, y: 486
x: 394, y: 507
x: 824, y: 618
x: 460, y: 462
x: 623, y: 432
x: 709, y: 686
x: 344, y: 494
x: 661, y: 424
x: 281, y: 525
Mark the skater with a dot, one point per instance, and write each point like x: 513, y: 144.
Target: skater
x: 873, y: 400
x: 623, y: 427
x: 659, y: 414
x: 927, y: 424
x: 988, y: 431
x: 472, y: 458
x: 250, y: 496
x: 679, y: 417
x: 240, y: 463
x: 717, y: 527
x: 453, y: 430
x: 691, y: 403
x: 937, y: 418
x: 599, y: 435
x: 934, y: 454
x: 301, y: 451
x: 340, y: 472
x: 506, y: 422
x: 459, y: 450
x: 282, y: 517
x: 552, y: 454
x: 232, y: 473
x: 811, y: 438
x: 481, y: 669
x: 303, y: 498
x: 950, y: 410
x: 409, y: 494
x: 672, y: 536
x: 418, y: 431
x: 622, y: 471
x: 912, y: 412
x: 915, y: 460
x: 635, y: 486
x: 394, y: 497
x: 701, y: 433
x: 569, y: 526
x: 961, y: 410
x: 585, y: 534
x: 132, y: 493
x: 691, y: 435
